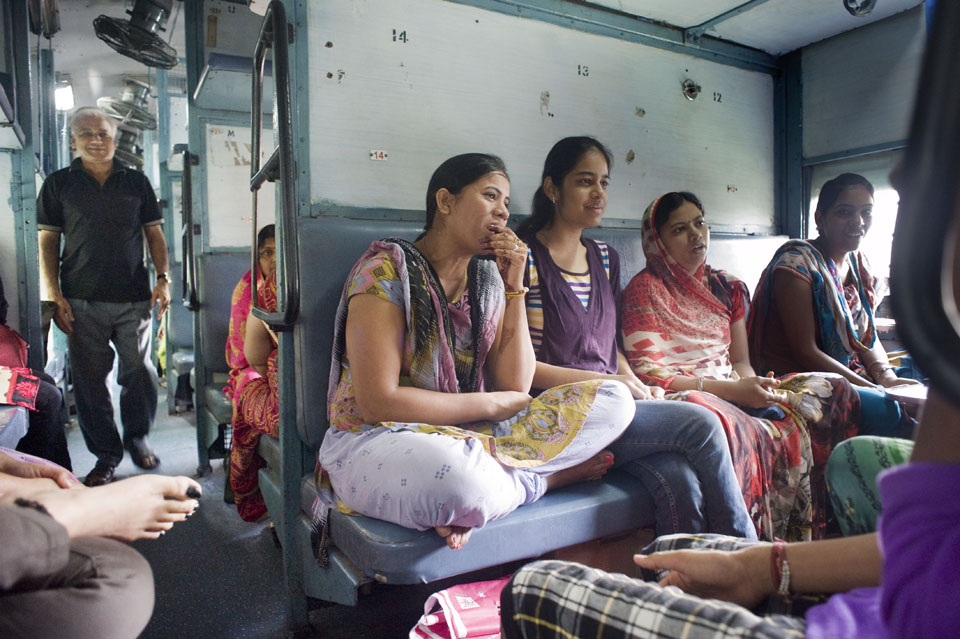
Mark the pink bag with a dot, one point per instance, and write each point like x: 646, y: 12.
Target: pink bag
x: 13, y: 348
x: 467, y: 611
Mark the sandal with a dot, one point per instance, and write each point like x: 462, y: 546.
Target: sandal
x: 101, y: 475
x: 141, y: 453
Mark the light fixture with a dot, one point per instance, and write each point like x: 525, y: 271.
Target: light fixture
x: 63, y: 93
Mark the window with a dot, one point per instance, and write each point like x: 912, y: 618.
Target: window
x: 876, y: 168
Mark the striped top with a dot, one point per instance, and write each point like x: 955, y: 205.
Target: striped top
x: 578, y: 282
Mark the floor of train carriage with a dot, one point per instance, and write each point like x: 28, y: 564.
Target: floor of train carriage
x: 218, y: 576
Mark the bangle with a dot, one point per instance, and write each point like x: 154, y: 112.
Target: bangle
x: 780, y: 569
x: 523, y: 291
x: 883, y: 369
x: 699, y: 383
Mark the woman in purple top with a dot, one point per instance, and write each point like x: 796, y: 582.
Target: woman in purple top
x: 678, y: 450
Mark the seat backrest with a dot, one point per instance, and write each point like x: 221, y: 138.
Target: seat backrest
x: 329, y: 247
x: 217, y: 275
x: 743, y: 257
x: 180, y: 321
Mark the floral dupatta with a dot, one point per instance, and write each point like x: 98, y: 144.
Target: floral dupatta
x: 429, y: 327
x: 844, y: 315
x: 675, y: 323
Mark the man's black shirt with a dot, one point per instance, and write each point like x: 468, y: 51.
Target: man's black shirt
x: 102, y: 229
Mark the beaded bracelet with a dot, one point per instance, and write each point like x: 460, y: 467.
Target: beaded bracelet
x: 780, y: 569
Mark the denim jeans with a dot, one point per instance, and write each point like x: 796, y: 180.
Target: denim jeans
x: 680, y: 453
x: 127, y: 326
x: 881, y: 416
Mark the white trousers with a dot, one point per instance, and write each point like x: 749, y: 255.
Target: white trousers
x: 424, y: 480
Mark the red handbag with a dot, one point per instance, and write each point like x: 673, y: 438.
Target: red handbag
x: 13, y: 348
x: 466, y: 611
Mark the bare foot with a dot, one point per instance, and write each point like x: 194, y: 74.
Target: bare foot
x: 141, y: 507
x: 456, y: 536
x: 591, y: 470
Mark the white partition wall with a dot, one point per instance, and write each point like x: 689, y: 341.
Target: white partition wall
x: 395, y: 88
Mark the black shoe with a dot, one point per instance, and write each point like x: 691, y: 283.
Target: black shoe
x: 141, y: 453
x: 101, y: 475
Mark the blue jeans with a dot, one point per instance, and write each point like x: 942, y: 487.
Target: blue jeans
x: 680, y: 453
x: 881, y: 416
x: 127, y: 326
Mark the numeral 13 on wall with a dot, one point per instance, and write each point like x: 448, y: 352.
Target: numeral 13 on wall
x: 583, y: 70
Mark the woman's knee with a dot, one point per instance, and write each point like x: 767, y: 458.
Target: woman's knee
x: 617, y: 401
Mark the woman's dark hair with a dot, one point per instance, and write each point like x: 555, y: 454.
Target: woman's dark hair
x: 267, y: 232
x: 830, y: 191
x: 456, y: 173
x: 670, y: 203
x: 560, y: 161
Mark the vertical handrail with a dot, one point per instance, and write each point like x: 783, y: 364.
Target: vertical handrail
x: 188, y: 269
x: 274, y: 35
x: 921, y: 273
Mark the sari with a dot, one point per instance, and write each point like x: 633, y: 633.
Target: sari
x: 677, y: 323
x: 444, y: 350
x: 240, y: 303
x: 255, y: 399
x: 844, y: 313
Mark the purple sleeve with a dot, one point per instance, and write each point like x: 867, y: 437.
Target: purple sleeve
x: 614, y: 258
x: 920, y: 537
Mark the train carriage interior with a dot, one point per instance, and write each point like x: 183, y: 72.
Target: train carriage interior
x: 326, y: 119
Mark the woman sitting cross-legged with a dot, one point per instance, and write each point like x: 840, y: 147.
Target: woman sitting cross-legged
x: 813, y: 308
x: 678, y: 450
x: 431, y: 423
x: 683, y: 328
x: 252, y: 388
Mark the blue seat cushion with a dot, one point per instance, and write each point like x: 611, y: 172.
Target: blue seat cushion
x: 183, y: 362
x: 571, y: 515
x: 218, y: 404
x: 269, y: 449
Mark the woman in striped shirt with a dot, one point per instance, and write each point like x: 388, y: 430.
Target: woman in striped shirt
x: 678, y: 450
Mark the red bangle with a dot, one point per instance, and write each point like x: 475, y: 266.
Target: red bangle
x: 780, y: 569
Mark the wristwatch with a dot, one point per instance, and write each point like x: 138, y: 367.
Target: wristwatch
x: 161, y: 276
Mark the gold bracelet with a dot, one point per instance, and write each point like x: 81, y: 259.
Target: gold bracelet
x: 523, y: 291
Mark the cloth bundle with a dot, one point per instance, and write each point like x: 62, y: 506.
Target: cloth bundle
x: 467, y: 611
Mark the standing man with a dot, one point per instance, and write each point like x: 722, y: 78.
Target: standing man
x: 101, y: 288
